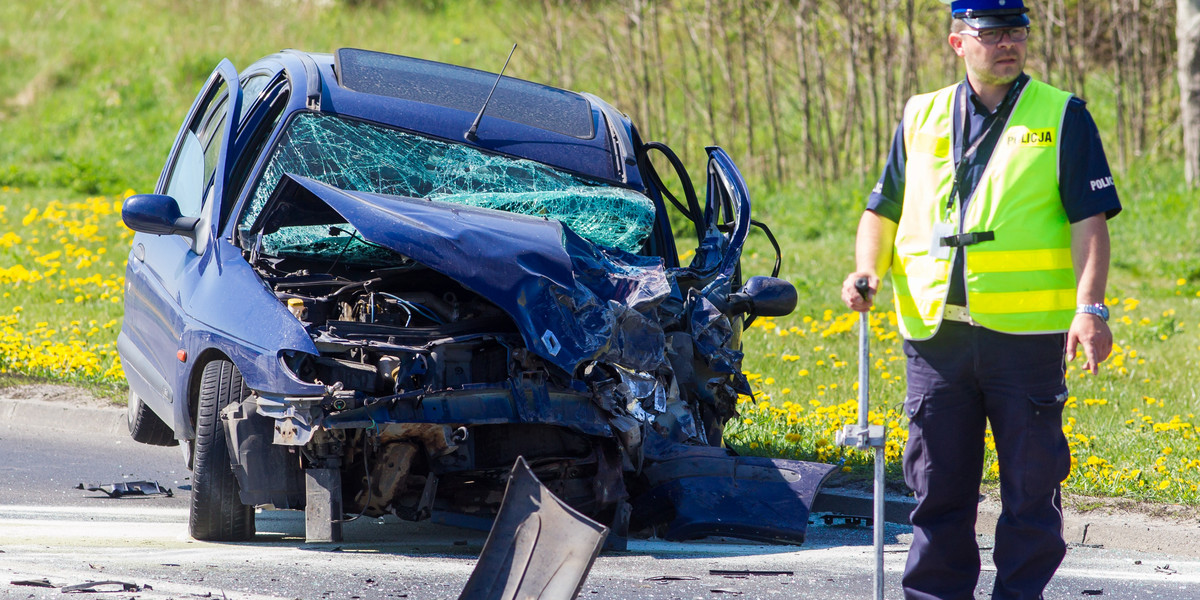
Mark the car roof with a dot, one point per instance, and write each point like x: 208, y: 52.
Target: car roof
x: 560, y: 128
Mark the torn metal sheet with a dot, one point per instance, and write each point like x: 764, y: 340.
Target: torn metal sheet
x: 538, y: 548
x: 128, y: 488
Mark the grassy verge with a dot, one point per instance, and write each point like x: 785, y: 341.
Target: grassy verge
x: 62, y: 267
x: 1132, y: 427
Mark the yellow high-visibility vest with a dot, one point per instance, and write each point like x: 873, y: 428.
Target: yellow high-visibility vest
x: 1023, y: 280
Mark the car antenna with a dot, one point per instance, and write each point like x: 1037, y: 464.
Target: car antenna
x: 479, y: 117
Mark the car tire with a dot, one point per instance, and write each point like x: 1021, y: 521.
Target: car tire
x: 145, y: 426
x: 217, y: 512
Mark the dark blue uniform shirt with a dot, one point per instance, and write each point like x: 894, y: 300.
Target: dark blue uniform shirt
x: 1085, y: 180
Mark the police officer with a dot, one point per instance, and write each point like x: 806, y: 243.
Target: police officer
x: 991, y: 214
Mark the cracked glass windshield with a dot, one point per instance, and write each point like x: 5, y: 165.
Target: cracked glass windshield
x: 357, y: 156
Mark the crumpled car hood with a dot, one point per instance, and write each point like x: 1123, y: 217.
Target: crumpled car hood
x: 572, y: 301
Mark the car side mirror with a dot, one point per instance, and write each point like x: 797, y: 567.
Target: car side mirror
x: 157, y: 214
x: 764, y: 296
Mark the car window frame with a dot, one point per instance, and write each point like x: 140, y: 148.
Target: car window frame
x: 261, y: 124
x: 221, y: 95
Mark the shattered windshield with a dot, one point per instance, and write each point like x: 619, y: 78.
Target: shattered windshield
x: 357, y: 156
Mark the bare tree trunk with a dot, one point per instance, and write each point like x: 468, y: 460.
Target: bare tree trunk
x: 871, y: 38
x: 853, y: 106
x: 685, y: 112
x: 909, y: 66
x: 744, y: 25
x: 660, y: 68
x: 830, y: 147
x: 765, y: 41
x: 1119, y: 88
x: 637, y: 20
x: 616, y: 63
x: 727, y: 65
x: 803, y: 86
x: 1143, y: 78
x: 705, y: 60
x: 1187, y: 32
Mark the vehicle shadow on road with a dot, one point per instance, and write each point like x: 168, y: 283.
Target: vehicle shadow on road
x: 390, y: 535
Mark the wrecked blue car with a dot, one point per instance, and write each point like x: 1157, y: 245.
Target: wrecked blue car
x: 366, y: 284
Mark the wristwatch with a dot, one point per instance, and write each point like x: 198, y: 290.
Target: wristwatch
x: 1098, y: 309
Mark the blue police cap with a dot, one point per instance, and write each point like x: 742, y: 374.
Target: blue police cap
x: 986, y: 14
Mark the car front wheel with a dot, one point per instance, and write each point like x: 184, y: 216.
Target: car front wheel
x: 217, y: 513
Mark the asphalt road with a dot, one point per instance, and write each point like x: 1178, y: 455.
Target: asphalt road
x: 51, y: 530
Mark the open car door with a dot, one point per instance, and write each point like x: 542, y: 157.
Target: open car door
x: 192, y: 183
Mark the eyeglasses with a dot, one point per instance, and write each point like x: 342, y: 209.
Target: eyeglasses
x: 991, y: 37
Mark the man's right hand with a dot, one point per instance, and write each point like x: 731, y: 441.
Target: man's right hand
x: 854, y: 301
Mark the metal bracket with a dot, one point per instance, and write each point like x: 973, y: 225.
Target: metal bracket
x: 872, y: 436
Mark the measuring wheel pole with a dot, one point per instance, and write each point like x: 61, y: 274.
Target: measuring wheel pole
x: 866, y: 435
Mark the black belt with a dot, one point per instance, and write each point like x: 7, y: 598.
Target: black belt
x: 967, y: 239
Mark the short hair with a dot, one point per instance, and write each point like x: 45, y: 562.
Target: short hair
x: 958, y: 26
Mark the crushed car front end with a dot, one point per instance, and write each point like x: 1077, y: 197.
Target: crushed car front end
x: 466, y: 303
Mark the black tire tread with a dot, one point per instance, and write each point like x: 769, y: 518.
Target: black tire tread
x: 217, y: 513
x: 146, y: 427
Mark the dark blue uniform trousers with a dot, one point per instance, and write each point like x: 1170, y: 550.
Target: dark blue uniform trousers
x: 958, y: 380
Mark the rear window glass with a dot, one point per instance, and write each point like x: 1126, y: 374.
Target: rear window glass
x: 465, y: 89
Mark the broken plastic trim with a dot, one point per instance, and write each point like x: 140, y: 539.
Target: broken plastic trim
x: 539, y: 547
x: 128, y: 488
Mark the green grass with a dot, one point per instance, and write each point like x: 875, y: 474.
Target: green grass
x: 91, y: 97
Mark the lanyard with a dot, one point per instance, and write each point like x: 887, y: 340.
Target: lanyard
x: 990, y: 134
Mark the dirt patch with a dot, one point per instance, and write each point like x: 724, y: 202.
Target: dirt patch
x: 52, y: 392
x: 1088, y: 505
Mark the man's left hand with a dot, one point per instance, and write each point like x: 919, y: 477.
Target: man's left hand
x: 1092, y: 334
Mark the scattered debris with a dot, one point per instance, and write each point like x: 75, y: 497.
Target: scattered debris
x: 45, y: 583
x: 92, y: 585
x: 850, y: 520
x: 1165, y: 569
x: 128, y: 488
x: 747, y: 573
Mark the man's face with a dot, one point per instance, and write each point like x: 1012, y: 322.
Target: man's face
x: 998, y: 64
